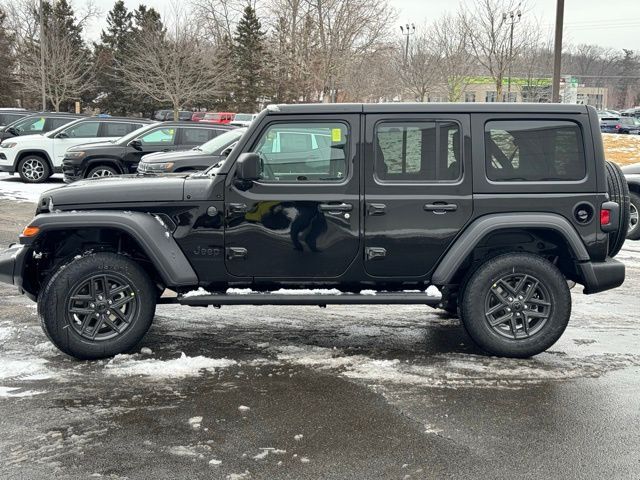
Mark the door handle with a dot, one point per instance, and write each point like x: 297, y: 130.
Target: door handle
x: 376, y: 253
x: 440, y: 208
x: 335, y: 207
x: 376, y: 209
x: 237, y: 208
x: 236, y: 253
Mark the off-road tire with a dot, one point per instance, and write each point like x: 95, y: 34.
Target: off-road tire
x: 487, y: 279
x: 104, y: 169
x: 634, y: 207
x: 618, y: 192
x: 54, y: 304
x: 34, y: 169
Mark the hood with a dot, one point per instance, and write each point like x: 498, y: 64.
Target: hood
x: 633, y: 169
x: 85, y: 146
x: 161, y: 157
x: 121, y: 189
x: 26, y: 138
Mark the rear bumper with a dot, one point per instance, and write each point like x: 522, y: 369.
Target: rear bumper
x: 11, y: 262
x: 601, y: 276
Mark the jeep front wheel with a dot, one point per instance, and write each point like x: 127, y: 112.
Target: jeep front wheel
x: 102, y: 171
x: 97, y: 306
x: 34, y: 169
x: 516, y: 305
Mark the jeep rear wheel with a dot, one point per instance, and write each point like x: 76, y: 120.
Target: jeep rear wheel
x: 516, y: 305
x: 634, y: 216
x: 97, y: 306
x: 34, y: 169
x: 618, y: 192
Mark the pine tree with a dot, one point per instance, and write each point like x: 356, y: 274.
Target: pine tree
x: 224, y: 62
x: 249, y: 62
x: 8, y: 88
x: 111, y: 97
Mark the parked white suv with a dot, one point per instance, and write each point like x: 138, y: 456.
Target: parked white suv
x: 36, y: 157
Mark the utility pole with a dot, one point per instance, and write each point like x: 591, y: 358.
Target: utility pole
x: 557, y: 52
x: 407, y: 31
x: 42, y: 67
x: 511, y: 19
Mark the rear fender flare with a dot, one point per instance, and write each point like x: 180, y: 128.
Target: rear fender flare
x: 480, y: 228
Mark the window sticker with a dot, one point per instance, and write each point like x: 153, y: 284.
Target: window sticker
x: 336, y: 135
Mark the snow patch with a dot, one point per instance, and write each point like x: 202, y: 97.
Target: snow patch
x: 12, y: 188
x: 196, y: 293
x: 12, y: 392
x: 184, y: 366
x: 13, y: 368
x: 195, y: 422
x: 243, y: 408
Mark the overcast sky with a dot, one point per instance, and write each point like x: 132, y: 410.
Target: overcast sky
x: 606, y: 23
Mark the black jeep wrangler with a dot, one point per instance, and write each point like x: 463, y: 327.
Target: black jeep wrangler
x: 501, y: 207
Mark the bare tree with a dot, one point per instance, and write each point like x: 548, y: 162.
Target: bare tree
x: 218, y: 17
x: 453, y: 57
x: 489, y: 36
x: 174, y: 65
x: 417, y: 69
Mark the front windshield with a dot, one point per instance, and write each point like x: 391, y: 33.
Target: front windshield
x: 243, y: 116
x: 220, y: 142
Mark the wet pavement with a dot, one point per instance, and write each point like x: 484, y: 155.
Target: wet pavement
x: 362, y: 392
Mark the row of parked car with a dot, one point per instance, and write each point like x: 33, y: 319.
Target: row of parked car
x: 626, y: 122
x: 37, y: 146
x: 223, y: 118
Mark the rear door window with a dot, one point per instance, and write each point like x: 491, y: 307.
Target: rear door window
x: 418, y: 151
x: 534, y: 151
x: 197, y: 136
x: 118, y: 129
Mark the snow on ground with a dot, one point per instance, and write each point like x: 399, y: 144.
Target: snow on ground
x: 12, y: 188
x: 622, y: 149
x: 184, y: 366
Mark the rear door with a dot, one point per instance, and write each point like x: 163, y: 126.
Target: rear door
x: 189, y: 137
x: 418, y: 190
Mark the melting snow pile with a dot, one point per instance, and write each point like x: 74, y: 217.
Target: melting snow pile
x: 12, y: 188
x: 184, y: 366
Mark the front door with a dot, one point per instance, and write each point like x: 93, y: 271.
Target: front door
x: 418, y: 191
x: 77, y: 134
x: 301, y: 219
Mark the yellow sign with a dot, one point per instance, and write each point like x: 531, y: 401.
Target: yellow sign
x: 336, y: 135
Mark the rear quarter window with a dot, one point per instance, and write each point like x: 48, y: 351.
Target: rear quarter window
x: 534, y: 151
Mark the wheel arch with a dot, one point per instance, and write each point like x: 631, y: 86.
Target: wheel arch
x: 107, y: 161
x: 547, y: 233
x: 130, y: 233
x: 38, y: 152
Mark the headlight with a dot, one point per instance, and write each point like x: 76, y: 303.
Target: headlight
x: 157, y: 167
x: 75, y: 154
x: 8, y: 144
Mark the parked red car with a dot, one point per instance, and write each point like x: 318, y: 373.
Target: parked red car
x: 219, y: 117
x: 197, y: 116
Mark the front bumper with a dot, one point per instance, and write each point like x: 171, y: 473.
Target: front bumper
x: 7, y: 168
x: 601, y: 276
x: 11, y: 263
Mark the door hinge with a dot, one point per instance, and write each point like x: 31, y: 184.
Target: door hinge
x: 234, y: 253
x: 375, y: 253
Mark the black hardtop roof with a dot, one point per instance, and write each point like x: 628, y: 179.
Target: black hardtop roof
x: 475, y: 107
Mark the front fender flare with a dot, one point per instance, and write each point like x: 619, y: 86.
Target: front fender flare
x: 478, y: 229
x: 150, y: 233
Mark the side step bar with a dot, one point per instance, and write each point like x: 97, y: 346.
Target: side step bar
x: 278, y: 299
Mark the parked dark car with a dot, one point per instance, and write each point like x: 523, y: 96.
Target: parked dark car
x: 351, y: 197
x: 123, y: 155
x: 10, y: 115
x: 160, y: 115
x: 632, y: 175
x: 629, y: 125
x: 609, y: 124
x: 631, y: 112
x: 37, y: 123
x: 198, y: 158
x: 183, y: 116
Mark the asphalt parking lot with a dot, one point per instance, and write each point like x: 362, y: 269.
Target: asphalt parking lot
x: 306, y: 393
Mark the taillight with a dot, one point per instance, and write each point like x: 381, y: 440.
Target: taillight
x: 605, y: 217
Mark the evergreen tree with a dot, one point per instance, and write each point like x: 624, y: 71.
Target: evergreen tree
x: 108, y: 53
x: 250, y: 62
x: 224, y: 62
x: 8, y: 88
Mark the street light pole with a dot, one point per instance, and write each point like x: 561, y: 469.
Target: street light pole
x: 513, y: 18
x: 407, y: 30
x: 42, y: 69
x: 557, y: 52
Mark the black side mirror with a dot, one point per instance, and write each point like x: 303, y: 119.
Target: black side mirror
x: 137, y: 144
x: 62, y: 135
x: 248, y: 167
